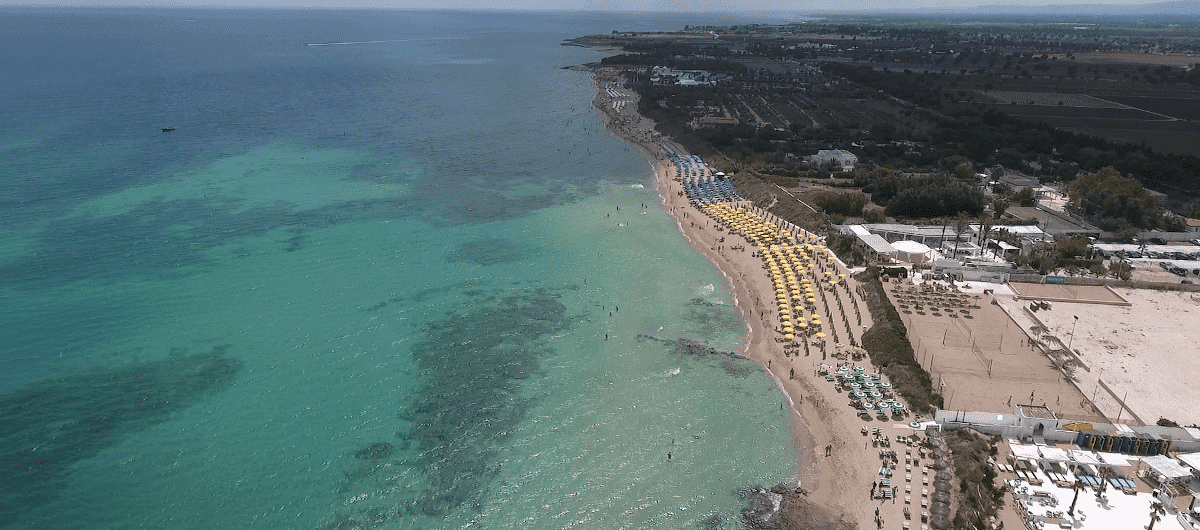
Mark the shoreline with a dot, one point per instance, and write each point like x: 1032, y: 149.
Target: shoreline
x: 819, y: 417
x: 636, y: 130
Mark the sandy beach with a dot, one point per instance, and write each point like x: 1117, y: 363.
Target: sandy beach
x: 822, y: 417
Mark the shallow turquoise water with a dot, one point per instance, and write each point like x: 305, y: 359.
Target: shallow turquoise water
x: 361, y: 285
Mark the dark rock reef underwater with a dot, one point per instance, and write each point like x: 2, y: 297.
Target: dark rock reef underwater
x: 784, y: 508
x: 468, y: 403
x: 51, y: 425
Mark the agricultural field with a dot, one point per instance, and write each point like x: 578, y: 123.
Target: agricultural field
x: 1106, y: 113
x: 1049, y: 98
x: 1175, y: 142
x: 1184, y: 108
x: 1157, y: 59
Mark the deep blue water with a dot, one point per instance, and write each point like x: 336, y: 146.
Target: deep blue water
x: 373, y: 278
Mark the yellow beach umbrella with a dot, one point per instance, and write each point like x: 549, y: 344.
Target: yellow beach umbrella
x: 789, y: 336
x: 820, y: 334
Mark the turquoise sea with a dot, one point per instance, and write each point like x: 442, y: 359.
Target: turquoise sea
x: 388, y: 271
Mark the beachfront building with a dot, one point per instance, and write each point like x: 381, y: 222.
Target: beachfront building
x: 928, y: 235
x: 1039, y: 424
x: 1057, y: 486
x: 973, y: 271
x: 914, y: 252
x: 961, y: 250
x: 873, y: 246
x: 839, y: 159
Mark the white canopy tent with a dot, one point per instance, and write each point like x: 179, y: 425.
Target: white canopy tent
x: 1084, y: 457
x: 1191, y: 459
x: 1167, y: 469
x: 1054, y: 454
x: 1026, y: 452
x: 1115, y: 459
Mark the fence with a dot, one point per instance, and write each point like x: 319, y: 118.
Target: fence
x: 1122, y: 407
x: 1110, y: 282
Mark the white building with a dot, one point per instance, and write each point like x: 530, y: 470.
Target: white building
x: 842, y: 159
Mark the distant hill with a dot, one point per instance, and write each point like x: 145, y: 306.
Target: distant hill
x: 1176, y: 10
x: 1183, y: 9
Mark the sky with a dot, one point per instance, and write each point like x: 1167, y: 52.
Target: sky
x: 683, y: 6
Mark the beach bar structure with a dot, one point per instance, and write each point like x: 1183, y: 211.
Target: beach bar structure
x: 1041, y: 425
x: 872, y: 245
x: 1130, y: 443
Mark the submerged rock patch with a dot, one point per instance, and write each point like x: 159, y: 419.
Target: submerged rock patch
x: 51, y: 425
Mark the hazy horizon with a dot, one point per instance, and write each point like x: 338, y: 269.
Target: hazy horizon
x: 665, y: 6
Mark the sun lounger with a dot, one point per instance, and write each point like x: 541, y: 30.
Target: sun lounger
x: 907, y: 499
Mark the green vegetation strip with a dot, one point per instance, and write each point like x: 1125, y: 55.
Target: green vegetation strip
x: 889, y: 348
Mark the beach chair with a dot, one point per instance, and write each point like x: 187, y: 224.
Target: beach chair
x: 908, y: 499
x: 907, y: 488
x: 905, y: 525
x: 924, y: 492
x: 908, y: 478
x: 887, y: 494
x: 908, y: 467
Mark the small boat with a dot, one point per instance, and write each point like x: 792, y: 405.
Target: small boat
x: 168, y: 129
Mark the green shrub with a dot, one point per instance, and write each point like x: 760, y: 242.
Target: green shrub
x: 890, y: 350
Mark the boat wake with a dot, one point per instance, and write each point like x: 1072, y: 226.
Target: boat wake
x: 348, y: 43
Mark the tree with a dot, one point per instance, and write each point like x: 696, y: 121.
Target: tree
x: 1000, y: 206
x: 1117, y: 201
x: 1025, y: 197
x: 1077, y: 486
x: 960, y: 225
x: 985, y: 226
x: 1156, y: 511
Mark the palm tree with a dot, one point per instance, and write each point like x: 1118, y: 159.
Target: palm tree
x: 985, y: 226
x: 1079, y: 485
x: 1156, y: 511
x: 960, y: 225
